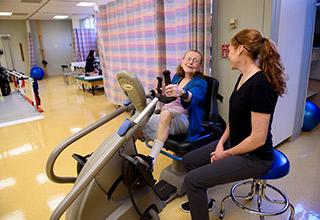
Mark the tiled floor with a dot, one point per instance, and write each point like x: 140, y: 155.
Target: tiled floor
x: 26, y: 193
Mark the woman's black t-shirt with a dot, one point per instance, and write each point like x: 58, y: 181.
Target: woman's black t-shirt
x: 89, y: 64
x: 255, y: 95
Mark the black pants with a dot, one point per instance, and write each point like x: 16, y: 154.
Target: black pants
x: 202, y: 175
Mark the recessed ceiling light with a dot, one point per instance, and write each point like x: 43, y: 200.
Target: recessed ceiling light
x: 60, y: 16
x: 86, y: 4
x: 5, y: 13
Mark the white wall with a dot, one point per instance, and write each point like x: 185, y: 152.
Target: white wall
x: 294, y: 34
x: 249, y: 14
x: 18, y: 34
x: 57, y: 44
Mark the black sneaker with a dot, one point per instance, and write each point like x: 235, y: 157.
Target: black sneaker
x: 186, y: 208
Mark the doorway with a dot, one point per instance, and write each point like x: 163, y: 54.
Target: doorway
x: 5, y: 52
x: 314, y: 76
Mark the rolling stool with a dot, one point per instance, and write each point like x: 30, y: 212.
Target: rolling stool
x: 280, y: 168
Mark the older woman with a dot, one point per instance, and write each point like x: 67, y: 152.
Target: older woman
x: 185, y: 114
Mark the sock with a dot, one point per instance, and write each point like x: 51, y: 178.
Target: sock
x: 155, y: 150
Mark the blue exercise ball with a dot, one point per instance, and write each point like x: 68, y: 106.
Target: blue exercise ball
x: 37, y: 73
x: 311, y: 116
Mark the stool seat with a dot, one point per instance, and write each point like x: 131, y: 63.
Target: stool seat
x: 280, y: 167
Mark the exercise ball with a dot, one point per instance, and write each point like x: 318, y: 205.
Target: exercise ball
x: 37, y: 73
x: 311, y: 116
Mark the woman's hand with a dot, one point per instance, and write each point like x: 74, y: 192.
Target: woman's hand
x: 219, y: 153
x: 173, y: 90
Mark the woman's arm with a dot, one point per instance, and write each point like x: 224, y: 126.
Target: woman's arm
x: 218, y: 153
x: 258, y: 136
x: 196, y: 93
x: 225, y: 135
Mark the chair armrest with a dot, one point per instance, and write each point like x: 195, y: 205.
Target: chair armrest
x: 214, y: 127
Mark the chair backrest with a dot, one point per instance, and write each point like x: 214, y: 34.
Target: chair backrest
x: 211, y: 104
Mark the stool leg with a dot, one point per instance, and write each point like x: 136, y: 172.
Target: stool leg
x: 261, y: 189
x: 292, y: 212
x: 259, y: 203
x: 221, y: 216
x: 251, y: 193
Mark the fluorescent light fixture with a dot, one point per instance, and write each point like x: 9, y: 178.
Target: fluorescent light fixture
x: 5, y: 13
x: 60, y: 16
x: 86, y: 4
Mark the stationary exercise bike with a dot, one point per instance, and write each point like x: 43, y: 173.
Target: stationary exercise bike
x: 116, y: 182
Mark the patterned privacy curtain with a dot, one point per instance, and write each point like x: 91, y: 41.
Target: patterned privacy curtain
x: 131, y: 38
x: 84, y: 41
x: 148, y: 36
x: 187, y: 26
x: 31, y: 51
